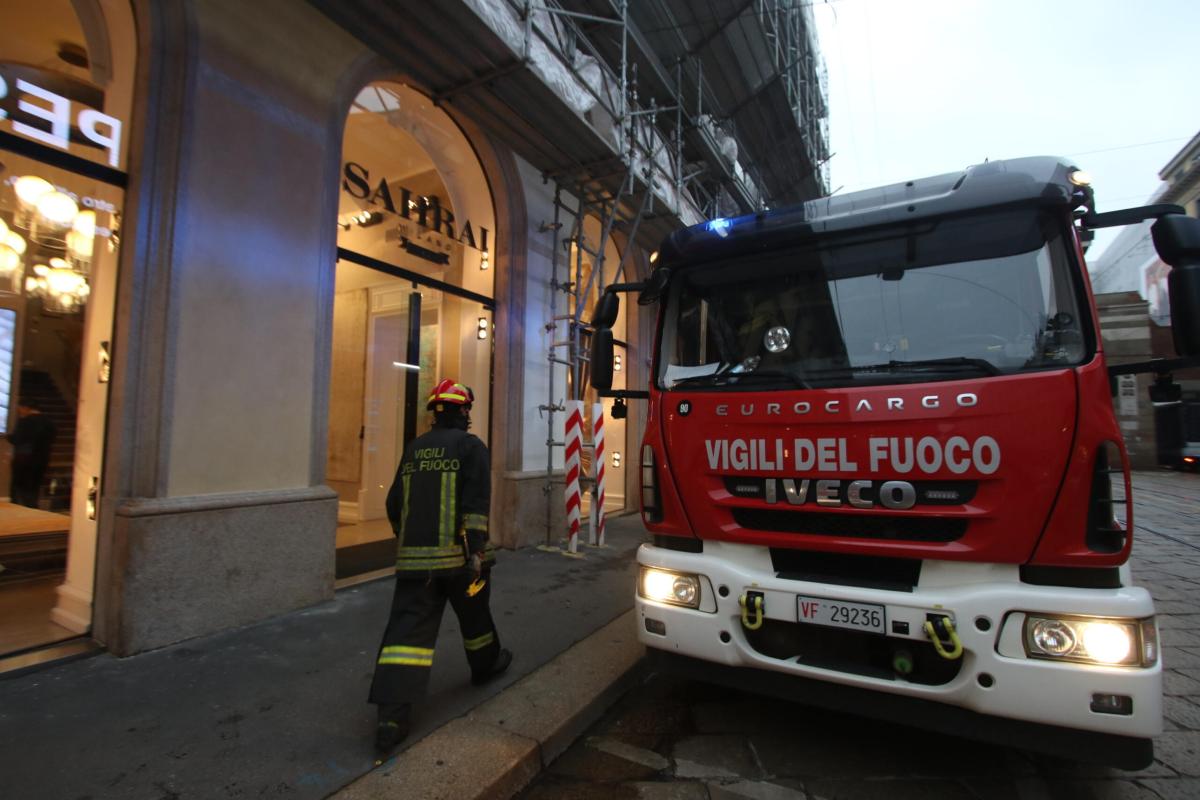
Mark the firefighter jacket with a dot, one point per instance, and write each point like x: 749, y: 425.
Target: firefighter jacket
x: 438, y: 503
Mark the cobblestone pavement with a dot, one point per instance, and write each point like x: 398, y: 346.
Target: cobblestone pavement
x: 668, y: 739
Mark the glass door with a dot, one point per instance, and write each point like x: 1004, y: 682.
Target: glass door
x: 395, y: 376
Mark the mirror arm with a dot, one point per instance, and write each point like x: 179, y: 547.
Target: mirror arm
x: 630, y: 394
x: 625, y: 287
x: 1162, y: 366
x: 1129, y: 216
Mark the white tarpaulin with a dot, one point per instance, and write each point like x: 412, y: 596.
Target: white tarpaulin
x: 504, y: 20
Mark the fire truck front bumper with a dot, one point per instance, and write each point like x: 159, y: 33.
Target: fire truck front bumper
x: 969, y: 649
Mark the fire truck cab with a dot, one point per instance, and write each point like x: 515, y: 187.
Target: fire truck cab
x: 881, y: 465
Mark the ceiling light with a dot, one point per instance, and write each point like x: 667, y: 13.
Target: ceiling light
x: 56, y: 211
x: 29, y: 188
x: 85, y: 223
x: 15, y: 241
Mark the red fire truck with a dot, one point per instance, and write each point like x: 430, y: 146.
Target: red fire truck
x: 881, y: 465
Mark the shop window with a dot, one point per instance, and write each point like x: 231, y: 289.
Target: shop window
x: 65, y: 93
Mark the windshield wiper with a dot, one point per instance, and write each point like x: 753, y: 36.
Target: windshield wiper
x: 744, y: 377
x: 702, y: 380
x: 728, y: 378
x: 981, y: 364
x: 922, y: 365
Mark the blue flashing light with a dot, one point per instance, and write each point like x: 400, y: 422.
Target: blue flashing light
x: 720, y: 226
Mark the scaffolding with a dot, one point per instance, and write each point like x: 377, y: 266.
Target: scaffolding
x: 589, y: 53
x: 790, y: 27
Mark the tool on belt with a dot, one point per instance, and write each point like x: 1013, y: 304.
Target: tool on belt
x: 475, y: 565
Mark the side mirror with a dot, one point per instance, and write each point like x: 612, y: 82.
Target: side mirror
x: 606, y: 310
x: 602, y: 359
x: 655, y: 287
x: 1177, y: 240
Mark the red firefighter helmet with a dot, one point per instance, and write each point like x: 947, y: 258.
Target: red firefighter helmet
x: 447, y: 392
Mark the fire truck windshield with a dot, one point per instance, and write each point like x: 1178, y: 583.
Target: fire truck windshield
x: 983, y: 295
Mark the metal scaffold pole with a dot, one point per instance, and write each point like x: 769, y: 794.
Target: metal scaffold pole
x: 551, y: 327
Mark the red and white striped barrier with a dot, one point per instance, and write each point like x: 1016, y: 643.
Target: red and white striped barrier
x: 597, y: 529
x: 571, y: 462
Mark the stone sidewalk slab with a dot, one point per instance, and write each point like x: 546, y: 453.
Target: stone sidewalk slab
x: 498, y: 748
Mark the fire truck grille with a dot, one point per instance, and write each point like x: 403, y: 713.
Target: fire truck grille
x: 859, y: 526
x: 928, y: 493
x: 853, y: 652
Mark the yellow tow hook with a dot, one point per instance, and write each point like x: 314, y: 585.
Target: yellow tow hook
x: 947, y: 626
x: 751, y: 603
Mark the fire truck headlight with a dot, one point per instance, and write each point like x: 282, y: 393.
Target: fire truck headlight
x: 1107, y: 642
x: 1091, y: 641
x: 674, y: 588
x: 1053, y: 637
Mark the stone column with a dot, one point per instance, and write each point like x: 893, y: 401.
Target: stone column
x: 213, y: 510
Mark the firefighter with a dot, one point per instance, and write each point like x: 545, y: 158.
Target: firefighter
x: 438, y: 508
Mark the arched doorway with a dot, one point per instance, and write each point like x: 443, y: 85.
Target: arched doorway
x: 66, y: 85
x: 413, y: 300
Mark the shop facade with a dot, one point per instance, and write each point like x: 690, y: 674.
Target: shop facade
x: 292, y: 240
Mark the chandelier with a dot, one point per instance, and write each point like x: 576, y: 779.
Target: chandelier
x: 53, y: 259
x: 62, y: 289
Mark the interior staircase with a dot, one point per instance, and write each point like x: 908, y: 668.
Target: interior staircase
x: 38, y: 388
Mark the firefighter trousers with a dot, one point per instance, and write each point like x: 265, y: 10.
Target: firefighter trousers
x: 406, y: 653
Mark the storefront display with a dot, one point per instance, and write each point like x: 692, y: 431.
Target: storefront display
x: 413, y: 295
x: 61, y: 196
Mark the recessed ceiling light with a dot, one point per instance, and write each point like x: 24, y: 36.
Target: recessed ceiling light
x: 73, y: 54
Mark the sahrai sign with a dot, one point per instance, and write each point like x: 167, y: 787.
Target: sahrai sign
x: 425, y: 211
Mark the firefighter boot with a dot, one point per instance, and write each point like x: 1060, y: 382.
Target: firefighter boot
x: 503, y: 659
x: 393, y: 726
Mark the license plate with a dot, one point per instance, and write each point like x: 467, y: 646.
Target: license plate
x: 841, y: 614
